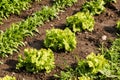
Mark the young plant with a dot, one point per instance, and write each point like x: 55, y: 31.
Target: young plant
x: 57, y: 39
x: 13, y: 37
x: 94, y: 67
x: 113, y: 55
x: 81, y: 21
x: 63, y: 3
x: 8, y: 78
x: 118, y: 25
x: 36, y: 60
x: 97, y: 63
x: 94, y: 7
x: 8, y: 7
x: 84, y: 78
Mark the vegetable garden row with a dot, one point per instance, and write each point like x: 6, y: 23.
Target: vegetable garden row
x: 102, y: 66
x: 8, y: 7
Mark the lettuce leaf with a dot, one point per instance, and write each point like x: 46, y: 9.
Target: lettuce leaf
x: 81, y: 21
x: 36, y: 60
x: 57, y: 39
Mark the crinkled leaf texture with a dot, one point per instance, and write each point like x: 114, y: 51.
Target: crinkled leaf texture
x: 36, y: 60
x: 97, y: 63
x: 94, y: 7
x: 81, y: 21
x: 8, y: 78
x: 60, y: 39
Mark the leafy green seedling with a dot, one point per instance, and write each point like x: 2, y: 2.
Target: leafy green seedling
x: 36, y: 60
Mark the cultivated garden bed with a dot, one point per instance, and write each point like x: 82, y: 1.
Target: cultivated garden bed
x: 97, y: 40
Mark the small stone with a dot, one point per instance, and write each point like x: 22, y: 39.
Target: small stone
x: 13, y: 73
x: 26, y: 42
x: 104, y: 37
x: 23, y: 78
x: 51, y: 25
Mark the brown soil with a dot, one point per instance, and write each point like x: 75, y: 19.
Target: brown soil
x: 87, y: 42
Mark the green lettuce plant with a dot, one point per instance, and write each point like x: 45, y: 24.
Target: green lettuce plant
x: 97, y: 63
x: 8, y: 78
x: 58, y: 39
x: 36, y: 60
x: 94, y: 7
x: 84, y: 78
x: 80, y: 21
x: 63, y: 3
x: 94, y: 67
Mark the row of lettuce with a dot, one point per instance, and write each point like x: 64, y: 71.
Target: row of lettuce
x: 13, y: 37
x: 8, y: 7
x: 103, y: 66
x: 95, y: 67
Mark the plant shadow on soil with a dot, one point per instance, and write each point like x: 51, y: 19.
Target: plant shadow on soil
x: 12, y: 65
x: 111, y: 30
x: 37, y: 44
x: 61, y: 26
x: 12, y: 68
